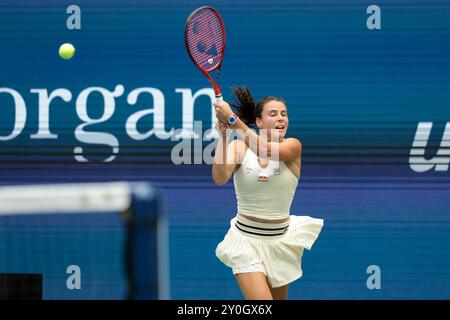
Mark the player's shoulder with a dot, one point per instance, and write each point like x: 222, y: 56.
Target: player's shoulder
x: 293, y: 141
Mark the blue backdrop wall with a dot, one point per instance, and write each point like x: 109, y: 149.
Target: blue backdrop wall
x: 360, y: 100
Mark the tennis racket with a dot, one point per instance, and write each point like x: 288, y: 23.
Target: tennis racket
x: 204, y: 37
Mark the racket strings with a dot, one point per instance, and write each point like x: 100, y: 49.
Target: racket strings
x: 205, y: 39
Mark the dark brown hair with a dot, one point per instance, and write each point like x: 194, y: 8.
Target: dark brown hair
x: 246, y: 108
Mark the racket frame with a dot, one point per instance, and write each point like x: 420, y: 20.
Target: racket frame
x: 216, y: 87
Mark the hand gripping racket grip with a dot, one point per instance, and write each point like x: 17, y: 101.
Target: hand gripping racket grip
x: 219, y: 99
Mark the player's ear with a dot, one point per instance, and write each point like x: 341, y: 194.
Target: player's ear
x: 258, y: 122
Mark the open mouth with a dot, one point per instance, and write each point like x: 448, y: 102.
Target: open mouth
x: 280, y: 127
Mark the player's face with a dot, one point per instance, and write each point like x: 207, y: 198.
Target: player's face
x: 274, y: 119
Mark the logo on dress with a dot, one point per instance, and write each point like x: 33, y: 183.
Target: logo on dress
x: 247, y: 170
x: 263, y: 179
x: 276, y: 171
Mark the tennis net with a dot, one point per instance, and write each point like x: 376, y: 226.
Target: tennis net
x: 83, y: 241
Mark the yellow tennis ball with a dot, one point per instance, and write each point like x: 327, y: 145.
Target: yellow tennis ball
x: 66, y: 51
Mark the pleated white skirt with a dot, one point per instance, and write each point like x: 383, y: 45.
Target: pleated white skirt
x: 279, y: 256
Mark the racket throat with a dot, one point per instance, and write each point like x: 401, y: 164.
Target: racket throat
x: 217, y: 90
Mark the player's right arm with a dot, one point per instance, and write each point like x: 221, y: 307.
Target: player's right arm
x: 227, y: 156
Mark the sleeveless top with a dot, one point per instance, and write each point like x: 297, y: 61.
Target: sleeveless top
x: 264, y: 193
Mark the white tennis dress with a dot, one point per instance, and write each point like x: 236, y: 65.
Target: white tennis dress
x: 276, y: 249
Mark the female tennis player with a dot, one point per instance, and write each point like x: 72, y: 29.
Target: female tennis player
x: 264, y: 245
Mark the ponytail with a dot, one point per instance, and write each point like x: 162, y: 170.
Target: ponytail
x: 246, y: 108
x: 244, y: 104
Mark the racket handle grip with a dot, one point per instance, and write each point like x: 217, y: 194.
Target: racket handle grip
x: 219, y: 99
